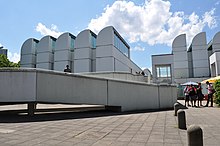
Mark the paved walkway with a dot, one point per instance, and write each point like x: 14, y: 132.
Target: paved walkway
x: 101, y: 128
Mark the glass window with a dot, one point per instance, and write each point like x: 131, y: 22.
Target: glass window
x: 163, y: 71
x: 53, y: 44
x: 72, y: 44
x: 120, y: 45
x: 93, y: 41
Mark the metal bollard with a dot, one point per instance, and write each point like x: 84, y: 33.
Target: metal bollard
x: 195, y: 136
x: 181, y: 119
x: 176, y: 108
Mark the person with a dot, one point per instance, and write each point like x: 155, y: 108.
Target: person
x: 192, y: 95
x: 210, y: 93
x: 199, y: 94
x: 67, y: 69
x: 186, y: 92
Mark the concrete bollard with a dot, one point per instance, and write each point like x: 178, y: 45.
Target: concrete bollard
x: 176, y: 108
x: 194, y: 136
x: 181, y: 119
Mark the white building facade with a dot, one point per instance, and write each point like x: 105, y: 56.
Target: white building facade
x: 87, y: 52
x: 195, y: 63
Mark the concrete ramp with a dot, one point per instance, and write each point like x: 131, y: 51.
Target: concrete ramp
x: 37, y: 85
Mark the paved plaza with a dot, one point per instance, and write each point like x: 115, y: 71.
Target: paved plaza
x: 95, y: 127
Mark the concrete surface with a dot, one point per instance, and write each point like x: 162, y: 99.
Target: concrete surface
x: 101, y: 128
x: 37, y: 85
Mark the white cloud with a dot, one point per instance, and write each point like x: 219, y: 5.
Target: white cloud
x: 210, y: 19
x: 153, y: 22
x: 217, y: 3
x: 138, y: 48
x: 1, y: 45
x: 14, y: 57
x: 52, y: 31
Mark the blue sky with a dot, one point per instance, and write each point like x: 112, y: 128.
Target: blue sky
x: 148, y: 26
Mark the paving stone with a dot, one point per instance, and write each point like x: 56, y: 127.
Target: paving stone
x: 108, y: 128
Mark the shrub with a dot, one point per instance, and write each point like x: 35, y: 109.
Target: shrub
x: 217, y: 93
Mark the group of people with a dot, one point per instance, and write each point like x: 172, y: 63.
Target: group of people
x: 194, y: 93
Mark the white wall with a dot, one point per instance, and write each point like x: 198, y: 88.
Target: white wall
x: 28, y: 53
x: 180, y: 57
x: 163, y: 59
x: 106, y: 51
x: 118, y: 76
x: 200, y: 56
x: 215, y: 57
x: 45, y: 53
x: 63, y: 52
x: 55, y: 87
x: 216, y: 42
x: 17, y: 86
x: 83, y: 54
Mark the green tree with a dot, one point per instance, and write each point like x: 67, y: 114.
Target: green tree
x: 4, y: 62
x: 217, y: 93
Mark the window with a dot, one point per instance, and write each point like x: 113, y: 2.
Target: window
x: 120, y: 45
x: 93, y: 40
x: 163, y: 71
x: 53, y: 44
x: 72, y: 44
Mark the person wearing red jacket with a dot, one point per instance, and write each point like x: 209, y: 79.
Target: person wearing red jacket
x: 192, y: 95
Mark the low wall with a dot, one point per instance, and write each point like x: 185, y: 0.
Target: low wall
x: 17, y: 85
x: 30, y: 85
x: 118, y: 75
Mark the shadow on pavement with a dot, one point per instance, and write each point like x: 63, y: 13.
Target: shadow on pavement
x: 181, y: 105
x: 41, y: 115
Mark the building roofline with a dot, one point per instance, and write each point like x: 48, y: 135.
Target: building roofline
x: 163, y: 54
x: 122, y: 39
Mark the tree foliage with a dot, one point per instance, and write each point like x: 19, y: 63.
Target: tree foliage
x: 217, y: 93
x: 4, y: 62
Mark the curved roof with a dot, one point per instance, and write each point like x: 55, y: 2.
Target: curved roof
x: 216, y: 42
x: 83, y: 38
x: 28, y: 47
x: 105, y: 36
x: 179, y: 41
x: 44, y: 44
x: 216, y: 38
x: 199, y: 39
x: 63, y: 42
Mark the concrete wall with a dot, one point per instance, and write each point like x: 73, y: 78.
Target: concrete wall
x: 216, y: 42
x: 180, y: 57
x: 45, y: 53
x: 215, y: 64
x: 54, y: 87
x: 215, y: 56
x: 18, y: 86
x: 28, y: 85
x: 164, y: 59
x: 109, y: 57
x: 200, y: 56
x: 83, y: 54
x: 63, y: 51
x: 28, y: 53
x: 118, y: 75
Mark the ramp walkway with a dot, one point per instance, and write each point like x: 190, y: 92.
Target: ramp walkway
x: 36, y: 85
